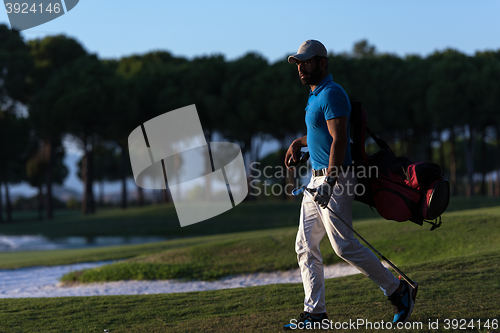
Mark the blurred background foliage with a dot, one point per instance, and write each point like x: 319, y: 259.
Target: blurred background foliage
x: 441, y: 108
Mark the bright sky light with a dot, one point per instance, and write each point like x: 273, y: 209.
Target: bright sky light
x: 115, y: 28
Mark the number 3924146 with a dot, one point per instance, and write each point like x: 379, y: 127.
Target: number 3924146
x: 25, y: 8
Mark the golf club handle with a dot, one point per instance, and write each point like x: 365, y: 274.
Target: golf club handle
x: 403, y: 275
x: 302, y: 159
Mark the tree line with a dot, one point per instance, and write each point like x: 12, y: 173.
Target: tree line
x: 440, y: 108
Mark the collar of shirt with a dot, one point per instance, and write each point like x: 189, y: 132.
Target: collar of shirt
x: 326, y: 81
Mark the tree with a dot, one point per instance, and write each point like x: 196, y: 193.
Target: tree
x: 15, y: 64
x: 14, y: 134
x: 463, y: 98
x: 363, y: 49
x: 106, y: 166
x: 81, y: 93
x: 205, y: 78
x: 50, y: 55
x: 491, y: 86
x: 413, y: 114
x: 150, y: 86
x: 283, y: 113
x: 36, y: 166
x: 245, y: 106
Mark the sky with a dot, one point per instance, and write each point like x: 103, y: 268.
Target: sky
x: 274, y: 29
x: 116, y: 28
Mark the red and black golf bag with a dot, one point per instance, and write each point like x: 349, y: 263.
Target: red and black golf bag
x: 398, y: 188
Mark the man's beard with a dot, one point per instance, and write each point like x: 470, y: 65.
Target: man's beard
x: 313, y: 77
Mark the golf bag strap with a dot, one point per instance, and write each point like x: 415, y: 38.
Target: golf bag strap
x: 381, y: 143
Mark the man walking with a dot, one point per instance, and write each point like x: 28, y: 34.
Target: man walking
x: 327, y: 120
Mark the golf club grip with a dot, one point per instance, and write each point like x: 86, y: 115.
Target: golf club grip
x: 292, y: 163
x: 302, y: 159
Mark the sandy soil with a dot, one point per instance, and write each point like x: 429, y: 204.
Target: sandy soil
x: 44, y: 282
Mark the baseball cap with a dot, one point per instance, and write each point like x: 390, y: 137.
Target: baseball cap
x: 307, y: 50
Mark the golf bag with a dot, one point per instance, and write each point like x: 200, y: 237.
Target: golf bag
x: 397, y: 187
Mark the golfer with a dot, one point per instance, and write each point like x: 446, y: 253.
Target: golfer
x: 327, y: 120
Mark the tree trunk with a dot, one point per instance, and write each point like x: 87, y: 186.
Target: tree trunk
x: 469, y: 162
x: 1, y: 202
x: 101, y: 194
x: 8, y: 205
x: 289, y: 175
x: 483, y: 162
x: 497, y: 181
x: 247, y: 153
x: 49, y: 205
x: 256, y: 148
x: 123, y: 161
x: 40, y: 202
x: 140, y: 196
x: 441, y: 155
x: 411, y: 147
x: 85, y: 173
x: 88, y: 202
x: 90, y: 178
x: 453, y: 163
x: 428, y: 147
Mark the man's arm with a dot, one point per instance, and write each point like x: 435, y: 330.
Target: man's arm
x: 294, y: 149
x: 338, y: 130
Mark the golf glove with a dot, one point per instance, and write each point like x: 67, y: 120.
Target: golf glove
x: 324, y: 192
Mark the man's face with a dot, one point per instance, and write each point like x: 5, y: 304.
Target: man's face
x: 309, y: 71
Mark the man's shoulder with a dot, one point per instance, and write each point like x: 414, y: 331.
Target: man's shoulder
x: 333, y: 88
x: 335, y: 101
x: 334, y: 91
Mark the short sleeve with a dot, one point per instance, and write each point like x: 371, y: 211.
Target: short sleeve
x: 336, y: 103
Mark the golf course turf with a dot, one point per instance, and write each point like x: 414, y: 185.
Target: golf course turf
x: 465, y: 287
x: 456, y: 267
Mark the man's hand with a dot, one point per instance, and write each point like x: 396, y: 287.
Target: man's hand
x: 324, y: 192
x: 293, y: 152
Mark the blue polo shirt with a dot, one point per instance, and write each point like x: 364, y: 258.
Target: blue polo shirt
x: 326, y: 102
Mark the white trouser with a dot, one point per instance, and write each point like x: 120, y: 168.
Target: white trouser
x: 315, y: 222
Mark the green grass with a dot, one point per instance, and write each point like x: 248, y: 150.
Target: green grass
x: 462, y: 233
x: 9, y: 260
x: 465, y: 287
x: 158, y: 220
x: 456, y: 267
x: 161, y: 220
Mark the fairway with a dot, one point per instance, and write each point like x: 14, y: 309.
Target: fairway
x: 456, y: 267
x: 464, y: 288
x: 466, y: 232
